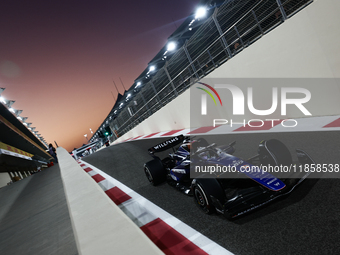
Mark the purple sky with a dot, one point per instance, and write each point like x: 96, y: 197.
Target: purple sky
x: 58, y: 58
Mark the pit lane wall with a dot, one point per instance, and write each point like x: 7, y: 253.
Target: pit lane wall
x: 4, y: 179
x: 304, y: 46
x: 99, y: 226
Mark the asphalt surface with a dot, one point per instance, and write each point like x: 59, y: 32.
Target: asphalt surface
x: 34, y: 217
x: 305, y: 222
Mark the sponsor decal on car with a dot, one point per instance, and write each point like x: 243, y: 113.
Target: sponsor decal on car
x: 166, y: 143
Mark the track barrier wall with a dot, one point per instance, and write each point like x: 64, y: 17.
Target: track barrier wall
x: 99, y: 226
x: 304, y: 46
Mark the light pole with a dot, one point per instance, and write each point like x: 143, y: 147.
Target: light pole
x: 86, y: 137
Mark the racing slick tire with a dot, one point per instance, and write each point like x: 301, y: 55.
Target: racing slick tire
x: 155, y: 172
x: 203, y: 189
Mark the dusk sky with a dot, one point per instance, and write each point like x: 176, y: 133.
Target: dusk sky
x: 58, y: 58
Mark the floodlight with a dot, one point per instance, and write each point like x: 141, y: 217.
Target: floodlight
x: 9, y: 103
x: 200, y: 12
x: 171, y: 46
x: 152, y: 68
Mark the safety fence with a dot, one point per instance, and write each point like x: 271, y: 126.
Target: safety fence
x: 232, y: 27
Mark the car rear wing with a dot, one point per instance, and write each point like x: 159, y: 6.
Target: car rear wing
x: 168, y: 144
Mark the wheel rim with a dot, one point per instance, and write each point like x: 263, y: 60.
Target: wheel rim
x: 148, y: 174
x: 200, y: 198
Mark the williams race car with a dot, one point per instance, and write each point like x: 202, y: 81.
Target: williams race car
x: 239, y: 192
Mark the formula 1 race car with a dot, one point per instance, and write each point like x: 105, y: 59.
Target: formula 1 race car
x: 246, y: 186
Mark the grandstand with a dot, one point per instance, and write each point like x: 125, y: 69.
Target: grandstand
x: 21, y: 151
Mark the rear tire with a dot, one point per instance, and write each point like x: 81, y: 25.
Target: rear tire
x: 155, y: 172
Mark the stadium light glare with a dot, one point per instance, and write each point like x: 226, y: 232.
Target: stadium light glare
x: 152, y: 68
x: 201, y: 12
x: 11, y: 110
x: 2, y: 100
x: 171, y: 46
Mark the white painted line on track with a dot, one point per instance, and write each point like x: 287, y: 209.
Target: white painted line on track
x: 142, y: 211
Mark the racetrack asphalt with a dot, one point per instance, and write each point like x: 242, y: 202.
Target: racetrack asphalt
x: 305, y: 222
x: 34, y: 216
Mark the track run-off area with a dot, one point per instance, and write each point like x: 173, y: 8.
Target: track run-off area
x: 305, y: 222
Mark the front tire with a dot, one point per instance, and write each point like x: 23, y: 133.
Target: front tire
x: 155, y: 172
x: 202, y: 198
